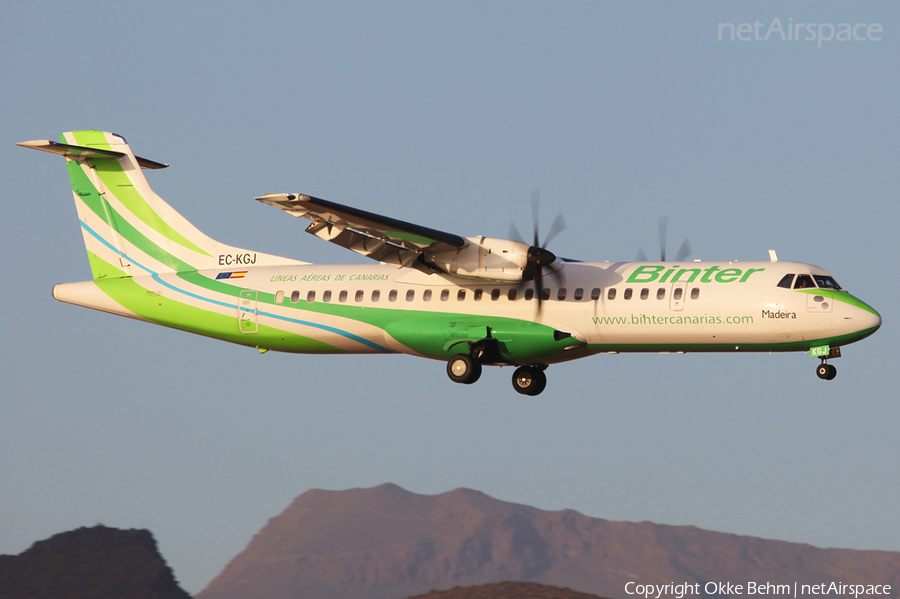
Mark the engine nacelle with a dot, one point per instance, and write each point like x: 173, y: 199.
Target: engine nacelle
x: 484, y: 258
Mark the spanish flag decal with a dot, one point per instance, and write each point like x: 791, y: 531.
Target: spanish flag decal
x: 231, y: 275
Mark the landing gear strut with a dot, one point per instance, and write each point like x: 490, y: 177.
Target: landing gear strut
x: 826, y: 371
x: 529, y: 380
x: 463, y: 369
x: 466, y: 369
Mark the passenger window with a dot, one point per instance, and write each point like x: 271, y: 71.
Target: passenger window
x: 804, y: 282
x: 561, y: 294
x: 360, y: 295
x: 279, y: 297
x: 376, y: 295
x: 410, y: 295
x: 611, y: 294
x: 511, y: 295
x: 579, y: 293
x: 426, y: 296
x: 786, y: 281
x: 645, y: 293
x: 661, y: 293
x: 595, y: 293
x: 445, y: 295
x: 695, y: 293
x: 342, y: 296
x: 628, y: 293
x: 326, y: 296
x: 477, y: 295
x: 392, y: 296
x: 295, y: 297
x: 311, y: 297
x: 545, y: 294
x: 461, y: 295
x: 678, y: 293
x: 495, y: 294
x: 529, y: 294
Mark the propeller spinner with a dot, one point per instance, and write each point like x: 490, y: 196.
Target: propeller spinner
x: 539, y: 257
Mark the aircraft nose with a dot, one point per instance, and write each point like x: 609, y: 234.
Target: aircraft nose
x: 865, y: 318
x: 871, y: 320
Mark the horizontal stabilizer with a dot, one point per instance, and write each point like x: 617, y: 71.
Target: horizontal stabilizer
x: 71, y: 151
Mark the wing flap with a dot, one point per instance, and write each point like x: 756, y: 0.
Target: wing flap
x: 372, y: 235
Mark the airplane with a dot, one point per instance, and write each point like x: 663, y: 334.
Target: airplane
x: 467, y: 301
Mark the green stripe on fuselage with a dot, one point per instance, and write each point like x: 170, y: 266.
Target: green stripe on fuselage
x: 425, y: 332
x: 163, y: 310
x: 841, y: 296
x: 785, y: 346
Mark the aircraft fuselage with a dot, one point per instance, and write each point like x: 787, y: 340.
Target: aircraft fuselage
x: 603, y: 307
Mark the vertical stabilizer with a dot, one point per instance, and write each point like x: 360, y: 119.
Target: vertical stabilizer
x: 128, y: 229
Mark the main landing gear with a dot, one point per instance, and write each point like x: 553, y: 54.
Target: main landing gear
x: 463, y: 369
x: 527, y: 380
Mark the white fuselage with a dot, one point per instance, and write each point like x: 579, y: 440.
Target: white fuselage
x: 606, y: 307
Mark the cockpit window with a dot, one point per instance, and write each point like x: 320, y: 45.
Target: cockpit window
x: 826, y: 282
x: 804, y: 282
x: 786, y: 281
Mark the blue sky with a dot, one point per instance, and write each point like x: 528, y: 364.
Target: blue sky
x: 448, y: 115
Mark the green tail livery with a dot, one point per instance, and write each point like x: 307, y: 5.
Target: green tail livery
x: 468, y: 301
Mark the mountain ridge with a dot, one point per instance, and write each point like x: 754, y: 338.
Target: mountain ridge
x: 90, y: 563
x: 386, y: 542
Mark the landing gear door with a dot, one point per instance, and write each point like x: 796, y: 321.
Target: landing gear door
x: 247, y: 311
x: 676, y: 301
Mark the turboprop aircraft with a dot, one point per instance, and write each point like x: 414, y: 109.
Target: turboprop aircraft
x: 468, y: 301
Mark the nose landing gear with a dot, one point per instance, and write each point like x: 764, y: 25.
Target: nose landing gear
x: 826, y: 371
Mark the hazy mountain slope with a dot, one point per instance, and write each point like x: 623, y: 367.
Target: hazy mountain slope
x: 388, y: 543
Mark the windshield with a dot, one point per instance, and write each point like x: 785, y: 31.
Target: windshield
x: 804, y: 282
x: 825, y: 282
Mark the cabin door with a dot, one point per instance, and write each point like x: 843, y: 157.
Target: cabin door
x: 247, y: 312
x: 676, y: 300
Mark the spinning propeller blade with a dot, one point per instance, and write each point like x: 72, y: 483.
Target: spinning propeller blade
x: 683, y: 252
x: 539, y: 257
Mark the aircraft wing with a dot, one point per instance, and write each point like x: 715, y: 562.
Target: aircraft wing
x: 377, y: 237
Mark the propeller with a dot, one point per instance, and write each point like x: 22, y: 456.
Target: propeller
x: 683, y: 251
x: 539, y: 257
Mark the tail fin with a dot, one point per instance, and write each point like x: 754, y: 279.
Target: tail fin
x: 128, y: 229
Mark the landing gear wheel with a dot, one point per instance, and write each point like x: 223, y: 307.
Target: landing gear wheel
x: 463, y: 369
x: 826, y: 372
x: 529, y: 380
